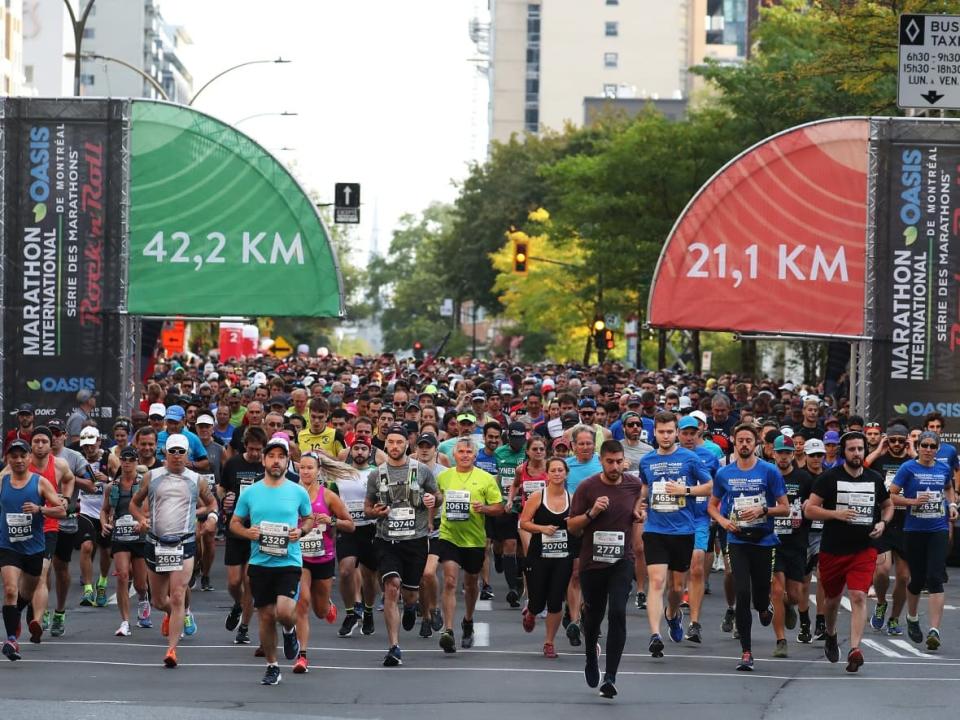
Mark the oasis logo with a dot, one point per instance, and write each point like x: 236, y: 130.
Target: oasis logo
x: 62, y: 384
x: 39, y: 170
x: 919, y: 409
x: 910, y: 180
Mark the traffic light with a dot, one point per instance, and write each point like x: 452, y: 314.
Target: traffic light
x: 600, y: 336
x: 608, y: 339
x: 418, y: 351
x: 520, y: 257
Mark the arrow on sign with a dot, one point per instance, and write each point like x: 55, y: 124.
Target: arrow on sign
x: 347, y: 190
x: 932, y: 97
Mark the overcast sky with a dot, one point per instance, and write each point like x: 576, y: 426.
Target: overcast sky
x: 385, y: 91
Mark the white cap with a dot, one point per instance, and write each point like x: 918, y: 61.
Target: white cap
x: 277, y: 441
x: 177, y: 441
x: 814, y: 446
x: 157, y: 409
x: 789, y: 386
x: 259, y: 379
x: 686, y: 404
x: 787, y: 431
x: 699, y: 415
x: 205, y: 420
x: 213, y: 376
x: 811, y: 399
x: 89, y: 436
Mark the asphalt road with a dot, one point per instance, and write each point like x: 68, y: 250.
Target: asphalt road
x: 89, y: 673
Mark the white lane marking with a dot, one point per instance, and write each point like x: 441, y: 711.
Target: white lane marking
x: 904, y: 645
x: 484, y: 605
x: 882, y: 649
x: 932, y: 659
x: 542, y: 671
x: 481, y: 634
x: 112, y: 600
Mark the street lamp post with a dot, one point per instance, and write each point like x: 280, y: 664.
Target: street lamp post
x: 278, y: 61
x: 78, y: 26
x: 106, y: 58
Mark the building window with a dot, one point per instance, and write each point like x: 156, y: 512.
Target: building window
x: 611, y: 29
x: 531, y: 113
x: 610, y: 91
x: 28, y: 74
x: 87, y: 79
x: 611, y: 59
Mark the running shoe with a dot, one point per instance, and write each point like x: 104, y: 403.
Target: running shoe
x: 820, y: 631
x: 205, y: 583
x: 11, y: 650
x: 301, y: 666
x: 101, y: 597
x: 45, y: 620
x: 913, y: 630
x: 189, y: 624
x: 426, y: 630
x: 350, y: 623
x: 291, y: 646
x: 894, y: 628
x: 272, y: 676
x: 409, y: 618
x: 591, y: 670
x: 331, y: 616
x: 676, y: 625
x: 549, y: 651
x: 87, y: 599
x: 36, y: 631
x: 831, y: 649
x: 608, y: 690
x: 685, y: 602
x: 436, y: 620
x: 448, y: 642
x: 233, y: 617
x: 243, y: 636
x: 513, y: 598
x: 854, y: 660
x: 123, y: 630
x: 486, y: 592
x: 766, y: 616
x: 170, y: 659
x: 573, y: 634
x: 393, y: 658
x: 641, y: 600
x: 729, y: 617
x: 746, y: 662
x: 143, y: 614
x: 58, y: 624
x: 804, y: 636
x: 528, y: 620
x: 780, y: 651
x: 694, y: 633
x: 466, y: 640
x: 656, y: 646
x: 366, y: 626
x: 879, y: 613
x: 933, y: 639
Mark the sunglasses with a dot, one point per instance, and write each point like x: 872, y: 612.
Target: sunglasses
x: 177, y: 451
x: 928, y: 446
x: 896, y: 440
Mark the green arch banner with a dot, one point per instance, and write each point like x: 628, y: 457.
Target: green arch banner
x: 218, y: 226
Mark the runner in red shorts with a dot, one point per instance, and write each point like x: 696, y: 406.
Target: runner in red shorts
x: 855, y: 507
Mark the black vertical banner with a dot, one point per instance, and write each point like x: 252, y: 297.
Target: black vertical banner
x: 916, y: 359
x: 62, y: 261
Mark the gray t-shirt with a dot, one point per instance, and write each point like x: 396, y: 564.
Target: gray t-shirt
x: 76, y: 461
x: 215, y: 456
x: 408, y: 518
x: 634, y: 453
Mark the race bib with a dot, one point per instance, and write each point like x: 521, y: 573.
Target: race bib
x: 401, y: 522
x: 532, y: 486
x: 274, y: 538
x: 245, y: 483
x: 457, y: 505
x: 125, y: 529
x: 608, y: 546
x: 19, y: 527
x: 745, y: 502
x: 555, y: 546
x: 862, y: 503
x: 311, y: 544
x: 786, y: 525
x: 662, y: 501
x: 816, y: 524
x: 168, y: 558
x: 505, y: 484
x: 931, y: 508
x: 355, y: 508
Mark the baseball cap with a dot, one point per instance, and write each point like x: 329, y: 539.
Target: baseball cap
x: 362, y: 441
x: 788, y: 386
x: 634, y: 400
x: 17, y: 445
x: 783, y: 444
x: 699, y: 415
x: 478, y: 395
x: 89, y: 436
x: 175, y: 412
x: 175, y: 441
x: 427, y: 439
x: 516, y: 431
x: 688, y: 422
x: 128, y: 453
x: 56, y: 424
x: 157, y: 410
x: 466, y: 417
x: 397, y: 429
x: 277, y: 441
x: 897, y: 430
x: 814, y: 446
x: 629, y: 414
x: 561, y: 442
x: 205, y: 420
x: 25, y: 409
x: 831, y: 438
x: 569, y: 419
x: 588, y: 403
x: 833, y: 420
x: 811, y: 399
x: 685, y: 403
x: 786, y: 431
x: 506, y: 388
